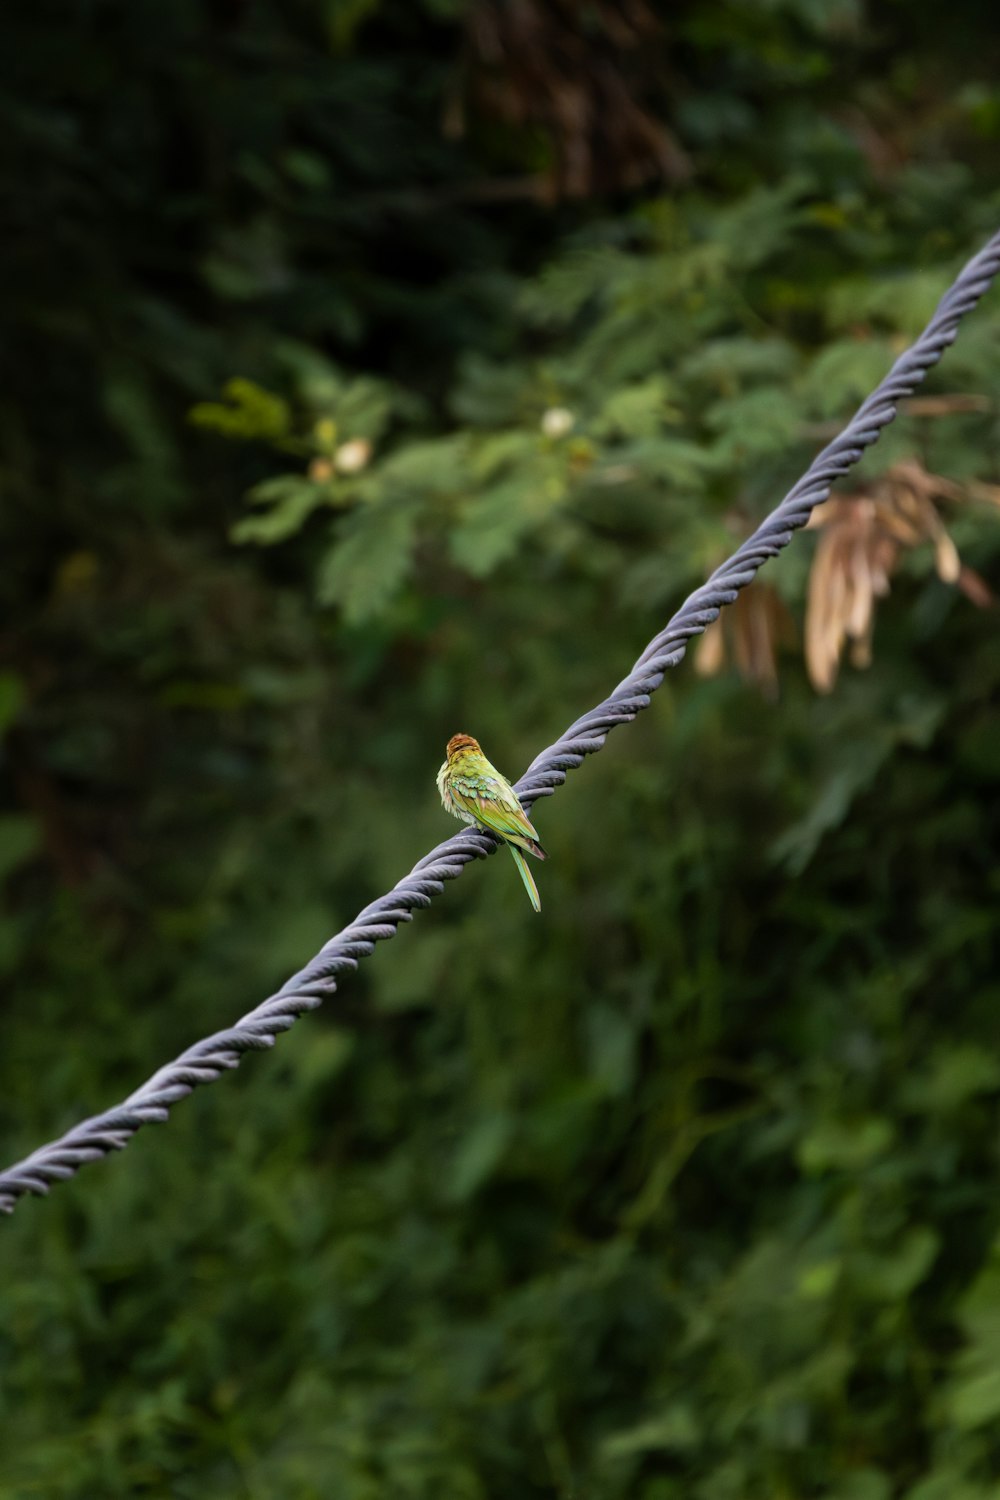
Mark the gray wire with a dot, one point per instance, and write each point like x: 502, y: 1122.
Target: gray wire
x: 207, y: 1060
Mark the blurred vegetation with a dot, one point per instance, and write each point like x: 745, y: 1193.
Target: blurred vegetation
x: 374, y: 369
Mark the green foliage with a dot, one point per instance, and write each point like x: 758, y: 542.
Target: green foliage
x: 686, y: 1190
x: 593, y: 425
x: 248, y: 412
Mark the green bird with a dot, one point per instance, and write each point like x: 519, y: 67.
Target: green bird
x: 473, y: 790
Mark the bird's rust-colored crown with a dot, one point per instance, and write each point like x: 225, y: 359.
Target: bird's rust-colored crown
x: 459, y: 742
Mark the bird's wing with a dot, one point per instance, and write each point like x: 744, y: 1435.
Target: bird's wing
x: 492, y: 802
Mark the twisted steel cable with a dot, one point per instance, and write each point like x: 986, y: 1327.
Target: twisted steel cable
x: 207, y: 1060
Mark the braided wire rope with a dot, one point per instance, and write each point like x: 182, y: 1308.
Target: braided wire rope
x: 208, y: 1059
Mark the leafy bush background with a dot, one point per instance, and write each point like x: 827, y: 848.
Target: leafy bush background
x: 689, y: 1188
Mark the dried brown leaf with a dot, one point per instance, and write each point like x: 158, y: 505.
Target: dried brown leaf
x: 975, y: 587
x: 946, y: 558
x: 710, y: 652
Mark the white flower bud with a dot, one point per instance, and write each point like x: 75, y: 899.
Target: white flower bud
x: 352, y: 456
x: 557, y: 421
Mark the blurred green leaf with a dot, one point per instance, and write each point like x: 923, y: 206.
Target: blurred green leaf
x: 479, y: 1152
x: 368, y: 562
x: 844, y: 1145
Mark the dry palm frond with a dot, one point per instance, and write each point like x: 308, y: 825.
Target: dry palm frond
x: 864, y: 535
x: 748, y: 633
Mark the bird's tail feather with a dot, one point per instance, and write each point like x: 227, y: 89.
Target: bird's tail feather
x: 525, y: 873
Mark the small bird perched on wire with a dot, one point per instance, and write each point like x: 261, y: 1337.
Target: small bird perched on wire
x: 473, y: 790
